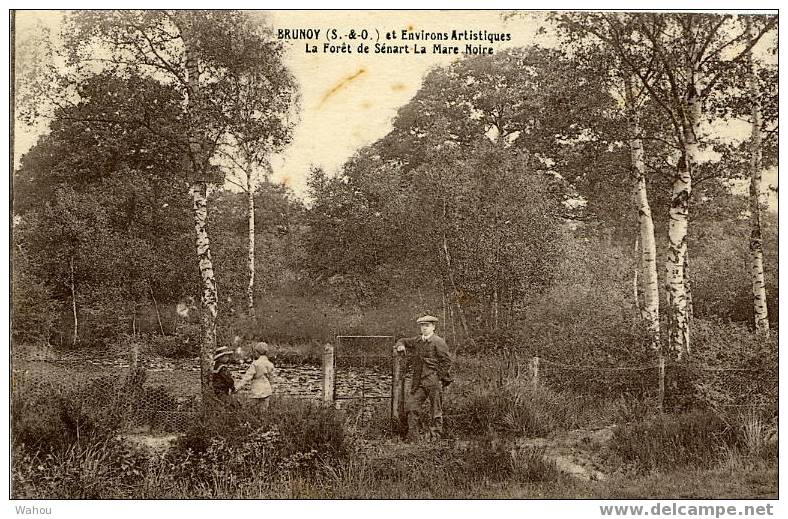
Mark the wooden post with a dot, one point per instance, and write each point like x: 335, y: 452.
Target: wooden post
x: 397, y: 390
x: 535, y: 372
x: 328, y: 374
x: 661, y: 398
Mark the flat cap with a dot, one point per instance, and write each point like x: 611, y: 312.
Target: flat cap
x: 221, y: 351
x: 426, y: 319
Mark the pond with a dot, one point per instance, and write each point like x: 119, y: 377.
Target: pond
x: 350, y: 382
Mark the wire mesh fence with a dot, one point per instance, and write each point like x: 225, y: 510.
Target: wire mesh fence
x: 134, y: 388
x: 137, y: 389
x: 671, y: 384
x: 128, y: 388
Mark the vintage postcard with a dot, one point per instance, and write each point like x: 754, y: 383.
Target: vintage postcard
x: 395, y: 255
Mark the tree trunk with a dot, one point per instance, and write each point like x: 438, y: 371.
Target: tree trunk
x: 443, y: 303
x: 678, y: 224
x: 648, y: 247
x: 250, y: 288
x: 156, y: 306
x: 455, y: 292
x: 209, y: 297
x: 73, y: 300
x: 453, y: 327
x: 688, y: 291
x: 757, y: 202
x: 199, y: 195
x: 495, y: 308
x: 636, y: 280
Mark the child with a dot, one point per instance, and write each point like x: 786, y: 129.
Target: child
x: 261, y: 374
x: 222, y: 379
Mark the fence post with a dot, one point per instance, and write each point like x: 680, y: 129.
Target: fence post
x: 397, y: 389
x: 535, y: 372
x: 328, y: 374
x: 661, y: 397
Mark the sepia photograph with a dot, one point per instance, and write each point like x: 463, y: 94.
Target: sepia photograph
x: 394, y: 255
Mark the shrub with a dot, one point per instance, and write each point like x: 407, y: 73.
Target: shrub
x: 293, y: 435
x: 718, y: 346
x: 50, y: 417
x: 517, y: 409
x: 696, y: 438
x: 33, y: 311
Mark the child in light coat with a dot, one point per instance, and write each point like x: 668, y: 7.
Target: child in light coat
x: 260, y: 374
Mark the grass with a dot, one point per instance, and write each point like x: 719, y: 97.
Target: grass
x: 110, y: 470
x: 732, y: 478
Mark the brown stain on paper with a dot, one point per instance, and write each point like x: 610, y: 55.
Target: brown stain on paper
x: 398, y: 87
x: 339, y: 86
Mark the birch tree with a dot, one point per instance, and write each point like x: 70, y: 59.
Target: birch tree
x: 757, y: 198
x: 582, y: 34
x: 195, y: 52
x: 693, y: 53
x: 261, y: 120
x: 647, y: 243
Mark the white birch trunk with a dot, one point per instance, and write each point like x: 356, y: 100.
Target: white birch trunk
x: 209, y: 297
x: 677, y: 227
x: 688, y: 288
x: 199, y: 195
x: 250, y: 288
x: 757, y: 202
x: 636, y: 279
x: 648, y: 246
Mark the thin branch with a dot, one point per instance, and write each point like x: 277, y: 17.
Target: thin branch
x: 233, y: 182
x: 766, y: 28
x: 710, y: 38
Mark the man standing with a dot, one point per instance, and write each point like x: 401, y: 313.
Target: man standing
x: 431, y: 362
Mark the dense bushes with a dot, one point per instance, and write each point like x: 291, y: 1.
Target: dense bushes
x: 49, y: 417
x: 291, y: 431
x: 32, y: 309
x: 67, y: 445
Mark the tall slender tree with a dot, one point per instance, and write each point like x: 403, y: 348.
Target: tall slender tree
x: 199, y: 53
x: 757, y: 198
x: 692, y: 54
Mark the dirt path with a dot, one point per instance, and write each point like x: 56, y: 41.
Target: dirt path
x: 576, y: 452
